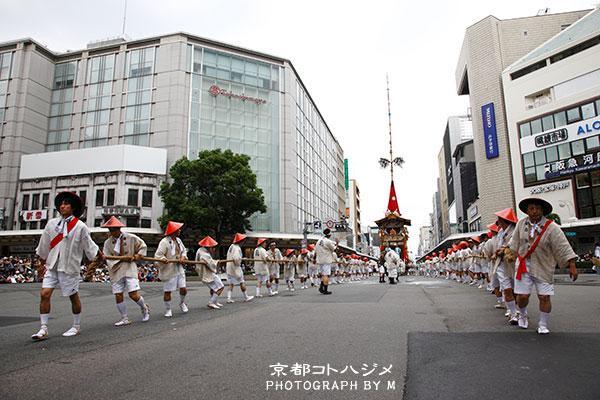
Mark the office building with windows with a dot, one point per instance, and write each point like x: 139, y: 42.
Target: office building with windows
x: 489, y: 47
x: 110, y: 120
x: 552, y: 99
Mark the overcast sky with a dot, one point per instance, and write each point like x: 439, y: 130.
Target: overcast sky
x: 342, y: 51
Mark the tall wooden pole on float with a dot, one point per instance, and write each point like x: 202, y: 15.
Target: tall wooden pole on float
x: 390, y: 126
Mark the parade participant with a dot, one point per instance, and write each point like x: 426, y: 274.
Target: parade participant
x: 539, y: 245
x: 274, y: 266
x: 261, y: 268
x: 475, y: 262
x: 207, y: 271
x: 302, y: 267
x: 382, y: 269
x: 391, y: 263
x: 313, y: 268
x: 325, y: 256
x: 505, y: 268
x: 288, y: 269
x: 235, y: 275
x: 490, y: 251
x: 483, y: 261
x: 63, y: 243
x: 373, y: 266
x: 172, y: 274
x: 124, y: 273
x: 335, y: 267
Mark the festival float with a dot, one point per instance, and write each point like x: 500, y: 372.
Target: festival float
x: 392, y: 228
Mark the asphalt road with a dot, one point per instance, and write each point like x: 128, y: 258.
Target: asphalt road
x: 424, y: 338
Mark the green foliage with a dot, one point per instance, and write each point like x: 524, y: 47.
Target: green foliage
x: 554, y: 217
x: 213, y: 195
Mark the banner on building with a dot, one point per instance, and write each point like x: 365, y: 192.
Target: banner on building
x: 489, y: 131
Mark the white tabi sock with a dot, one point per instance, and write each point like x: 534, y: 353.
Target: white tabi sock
x: 311, y: 280
x: 512, y: 307
x: 181, y: 298
x: 122, y: 309
x: 142, y: 303
x: 214, y: 298
x: 44, y: 319
x: 245, y: 295
x: 503, y: 298
x: 277, y: 287
x: 168, y: 304
x: 523, y: 311
x: 544, y: 318
x: 258, y: 291
x: 76, y: 319
x: 271, y: 289
x: 229, y: 294
x: 499, y: 300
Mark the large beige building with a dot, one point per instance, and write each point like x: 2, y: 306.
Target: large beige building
x: 120, y: 103
x: 489, y: 47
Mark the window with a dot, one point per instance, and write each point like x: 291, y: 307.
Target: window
x: 587, y: 192
x: 132, y: 198
x: 131, y: 222
x: 83, y: 196
x: 25, y: 205
x: 525, y: 129
x: 110, y: 197
x: 59, y: 123
x: 46, y: 200
x: 98, y: 222
x: 146, y: 223
x: 99, y: 197
x: 573, y: 115
x: 147, y: 198
x: 588, y: 111
x: 35, y: 201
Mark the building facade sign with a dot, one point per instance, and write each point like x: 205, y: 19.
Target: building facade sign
x: 489, y: 131
x: 569, y: 133
x: 216, y: 91
x: 34, y: 215
x: 124, y: 211
x: 553, y: 137
x: 550, y: 188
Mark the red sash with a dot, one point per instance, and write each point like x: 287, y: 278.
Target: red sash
x: 522, y: 265
x: 59, y: 237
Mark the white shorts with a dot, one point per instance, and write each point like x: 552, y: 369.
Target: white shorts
x: 313, y: 271
x: 262, y: 278
x: 527, y: 281
x: 381, y: 270
x: 69, y: 284
x: 176, y: 282
x: 485, y: 270
x: 232, y: 280
x: 216, y: 284
x: 495, y: 281
x: 476, y: 269
x: 506, y: 282
x: 274, y: 270
x: 325, y: 269
x: 301, y: 275
x: 126, y: 285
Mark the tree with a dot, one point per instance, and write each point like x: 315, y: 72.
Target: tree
x: 214, y: 195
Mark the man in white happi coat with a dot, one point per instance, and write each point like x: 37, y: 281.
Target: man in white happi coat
x: 172, y: 274
x: 302, y: 267
x: 325, y: 256
x: 261, y: 266
x: 62, y: 245
x: 235, y: 275
x: 207, y: 271
x: 391, y: 263
x: 490, y: 252
x: 289, y: 268
x: 539, y: 245
x: 505, y: 268
x: 124, y: 273
x: 274, y: 266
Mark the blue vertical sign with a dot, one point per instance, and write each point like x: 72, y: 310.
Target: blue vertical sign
x: 489, y: 130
